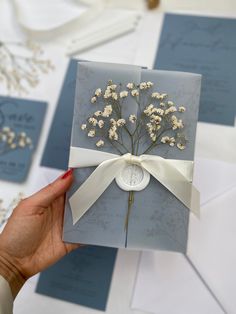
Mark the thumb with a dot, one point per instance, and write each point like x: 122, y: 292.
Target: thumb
x: 52, y: 191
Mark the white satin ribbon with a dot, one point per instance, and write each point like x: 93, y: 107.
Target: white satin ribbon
x: 175, y: 175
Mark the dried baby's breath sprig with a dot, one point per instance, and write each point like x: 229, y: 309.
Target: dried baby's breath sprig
x: 21, y: 64
x: 158, y: 119
x: 11, y: 141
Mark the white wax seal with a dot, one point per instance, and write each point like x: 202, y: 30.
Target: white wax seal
x: 132, y: 178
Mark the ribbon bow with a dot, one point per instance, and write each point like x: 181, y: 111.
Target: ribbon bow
x: 175, y: 175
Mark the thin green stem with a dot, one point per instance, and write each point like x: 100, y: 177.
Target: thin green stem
x: 130, y: 203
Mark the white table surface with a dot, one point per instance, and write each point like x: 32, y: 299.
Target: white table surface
x: 121, y: 50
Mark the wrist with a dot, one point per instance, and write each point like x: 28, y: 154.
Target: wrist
x: 11, y: 273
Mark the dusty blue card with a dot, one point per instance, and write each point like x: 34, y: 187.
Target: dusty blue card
x: 205, y: 45
x: 82, y: 277
x: 158, y: 220
x: 20, y: 125
x: 56, y: 152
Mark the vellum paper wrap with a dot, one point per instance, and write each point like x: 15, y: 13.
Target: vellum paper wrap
x: 158, y: 220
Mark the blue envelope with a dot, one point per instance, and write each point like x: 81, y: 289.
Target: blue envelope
x: 21, y: 121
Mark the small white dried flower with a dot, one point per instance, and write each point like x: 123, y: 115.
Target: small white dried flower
x: 135, y: 93
x: 181, y: 146
x: 112, y: 133
x: 182, y: 109
x: 130, y: 85
x: 158, y: 111
x: 165, y: 139
x: 176, y: 124
x: 98, y: 92
x: 149, y: 84
x: 93, y: 100
x: 153, y: 137
x: 162, y: 104
x: 21, y: 144
x: 114, y: 96
x: 143, y: 85
x: 93, y: 121
x: 107, y: 111
x: 156, y: 119
x: 101, y: 124
x: 170, y: 103
x: 120, y: 122
x: 100, y: 143
x: 83, y: 126
x: 113, y: 121
x: 170, y: 110
x: 148, y: 110
x: 98, y: 113
x: 132, y: 118
x: 123, y: 94
x: 107, y: 94
x: 155, y: 95
x: 91, y: 133
x: 112, y: 87
x: 168, y: 140
x: 163, y: 96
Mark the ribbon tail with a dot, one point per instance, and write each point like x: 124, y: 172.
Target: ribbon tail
x: 93, y: 187
x: 175, y: 182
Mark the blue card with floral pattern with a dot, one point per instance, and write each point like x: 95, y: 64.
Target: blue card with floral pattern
x: 21, y: 121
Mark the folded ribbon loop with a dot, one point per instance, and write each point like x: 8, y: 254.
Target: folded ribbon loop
x: 175, y: 175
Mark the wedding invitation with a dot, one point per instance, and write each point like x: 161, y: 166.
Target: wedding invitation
x: 129, y: 123
x: 205, y: 45
x: 82, y: 277
x: 21, y: 121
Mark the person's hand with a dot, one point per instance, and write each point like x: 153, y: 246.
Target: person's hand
x: 32, y: 238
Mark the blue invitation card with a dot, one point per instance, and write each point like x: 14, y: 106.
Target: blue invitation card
x: 205, y: 45
x: 82, y: 277
x: 20, y: 125
x: 151, y: 217
x: 56, y: 152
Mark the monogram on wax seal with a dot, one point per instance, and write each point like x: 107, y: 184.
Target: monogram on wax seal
x: 132, y: 178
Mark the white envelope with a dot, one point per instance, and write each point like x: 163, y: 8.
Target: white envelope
x: 206, y: 283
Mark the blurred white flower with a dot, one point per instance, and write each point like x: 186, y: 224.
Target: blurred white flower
x: 100, y: 143
x: 93, y: 99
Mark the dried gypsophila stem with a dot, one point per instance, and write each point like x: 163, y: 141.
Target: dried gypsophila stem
x: 18, y: 71
x: 11, y: 141
x: 5, y: 211
x: 157, y: 118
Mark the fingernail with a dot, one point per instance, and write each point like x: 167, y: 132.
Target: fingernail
x: 67, y: 173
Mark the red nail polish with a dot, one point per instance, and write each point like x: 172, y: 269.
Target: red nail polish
x: 67, y: 174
